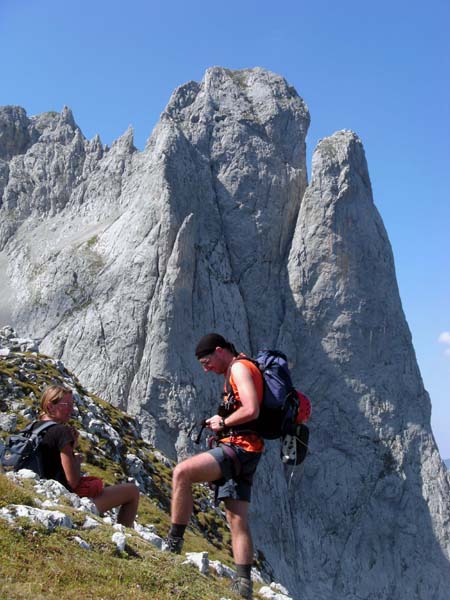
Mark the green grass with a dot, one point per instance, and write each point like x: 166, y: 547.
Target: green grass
x: 10, y: 493
x: 92, y: 241
x: 38, y: 564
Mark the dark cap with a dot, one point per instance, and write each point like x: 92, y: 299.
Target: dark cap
x: 209, y: 343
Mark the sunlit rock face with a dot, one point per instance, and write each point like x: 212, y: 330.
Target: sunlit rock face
x: 119, y: 260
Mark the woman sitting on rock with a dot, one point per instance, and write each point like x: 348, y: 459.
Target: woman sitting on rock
x: 62, y: 463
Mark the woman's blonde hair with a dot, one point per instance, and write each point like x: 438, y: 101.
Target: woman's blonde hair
x: 52, y: 395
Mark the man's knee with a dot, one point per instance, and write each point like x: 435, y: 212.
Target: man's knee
x: 202, y: 467
x: 181, y: 473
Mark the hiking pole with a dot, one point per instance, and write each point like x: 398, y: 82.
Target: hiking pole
x: 198, y: 438
x: 202, y: 425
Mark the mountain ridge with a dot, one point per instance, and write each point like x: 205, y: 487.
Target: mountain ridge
x: 120, y: 262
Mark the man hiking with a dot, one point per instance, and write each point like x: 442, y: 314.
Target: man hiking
x: 232, y: 463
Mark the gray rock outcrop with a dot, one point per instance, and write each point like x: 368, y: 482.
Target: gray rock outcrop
x: 118, y: 261
x: 376, y: 474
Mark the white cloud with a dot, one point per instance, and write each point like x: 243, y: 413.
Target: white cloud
x: 444, y: 338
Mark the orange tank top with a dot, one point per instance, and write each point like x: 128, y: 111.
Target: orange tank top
x: 251, y: 442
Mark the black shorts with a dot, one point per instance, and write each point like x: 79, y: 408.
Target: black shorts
x: 235, y: 486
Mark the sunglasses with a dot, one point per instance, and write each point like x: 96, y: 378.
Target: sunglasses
x: 206, y: 359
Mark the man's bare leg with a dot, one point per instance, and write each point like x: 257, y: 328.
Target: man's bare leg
x: 241, y: 539
x: 200, y: 468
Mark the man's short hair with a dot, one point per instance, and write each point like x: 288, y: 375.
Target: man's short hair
x: 208, y: 343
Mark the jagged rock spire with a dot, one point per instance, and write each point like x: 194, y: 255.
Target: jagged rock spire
x: 120, y: 261
x: 347, y: 334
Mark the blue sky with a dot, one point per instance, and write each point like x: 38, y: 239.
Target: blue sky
x: 380, y: 69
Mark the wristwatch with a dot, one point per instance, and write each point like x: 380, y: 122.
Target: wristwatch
x: 222, y: 423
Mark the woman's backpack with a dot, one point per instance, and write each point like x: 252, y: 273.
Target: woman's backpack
x: 22, y: 450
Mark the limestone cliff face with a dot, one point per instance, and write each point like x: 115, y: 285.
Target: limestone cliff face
x: 375, y: 490
x: 120, y: 260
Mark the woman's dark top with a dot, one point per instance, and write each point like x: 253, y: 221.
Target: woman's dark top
x: 54, y: 440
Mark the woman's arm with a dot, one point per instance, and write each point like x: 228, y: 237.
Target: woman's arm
x: 71, y: 465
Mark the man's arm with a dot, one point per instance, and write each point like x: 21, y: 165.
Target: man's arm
x: 247, y: 395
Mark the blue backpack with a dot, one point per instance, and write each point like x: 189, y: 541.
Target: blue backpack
x: 283, y: 410
x: 22, y: 449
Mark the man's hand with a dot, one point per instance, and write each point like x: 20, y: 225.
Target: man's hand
x: 215, y: 423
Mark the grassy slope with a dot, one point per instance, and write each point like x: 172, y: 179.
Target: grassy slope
x: 38, y: 564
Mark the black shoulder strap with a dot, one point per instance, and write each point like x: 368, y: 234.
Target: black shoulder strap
x: 43, y: 425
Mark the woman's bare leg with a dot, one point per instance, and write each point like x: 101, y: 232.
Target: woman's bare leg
x: 125, y: 495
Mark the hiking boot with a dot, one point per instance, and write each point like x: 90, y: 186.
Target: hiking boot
x: 174, y: 544
x: 243, y: 587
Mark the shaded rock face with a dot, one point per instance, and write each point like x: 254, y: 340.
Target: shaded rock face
x: 119, y: 261
x: 374, y: 479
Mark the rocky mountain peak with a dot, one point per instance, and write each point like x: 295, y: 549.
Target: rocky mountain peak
x: 14, y: 132
x: 120, y: 260
x: 126, y: 141
x: 67, y: 117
